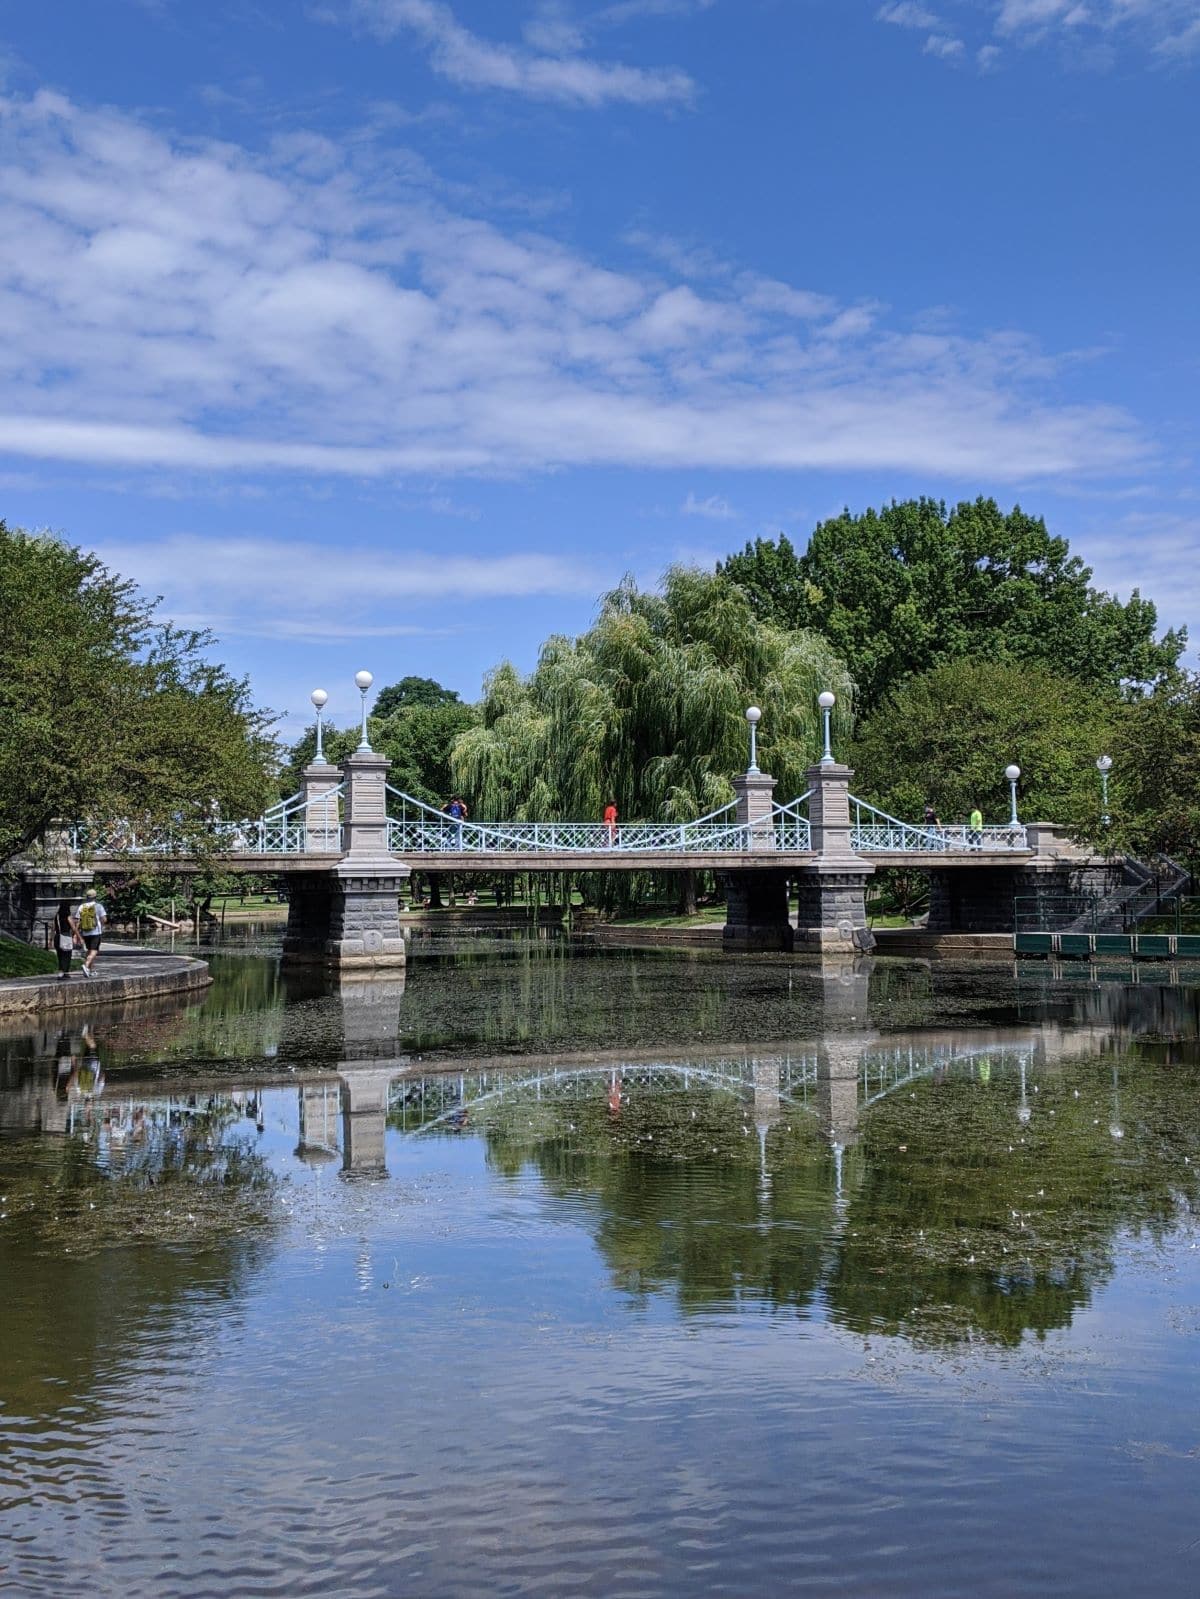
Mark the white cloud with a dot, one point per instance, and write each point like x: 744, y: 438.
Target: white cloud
x: 288, y: 589
x: 1089, y: 29
x: 192, y: 307
x: 549, y: 71
x: 906, y: 14
x: 714, y: 507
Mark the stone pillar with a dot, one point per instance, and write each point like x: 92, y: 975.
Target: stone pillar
x: 754, y: 798
x: 832, y: 916
x: 756, y: 903
x: 318, y: 781
x: 349, y: 919
x: 756, y: 911
x: 30, y: 896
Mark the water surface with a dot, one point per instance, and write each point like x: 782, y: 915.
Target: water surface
x: 569, y: 1271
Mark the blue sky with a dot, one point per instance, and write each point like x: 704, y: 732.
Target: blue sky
x: 392, y: 332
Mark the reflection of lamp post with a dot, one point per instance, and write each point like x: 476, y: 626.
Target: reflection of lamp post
x: 1013, y: 773
x: 1023, y: 1111
x: 1104, y: 767
x: 753, y: 717
x: 319, y: 699
x: 1115, y: 1130
x: 364, y: 681
x: 826, y: 701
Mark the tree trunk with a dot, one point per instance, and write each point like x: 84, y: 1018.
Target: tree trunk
x: 687, y: 893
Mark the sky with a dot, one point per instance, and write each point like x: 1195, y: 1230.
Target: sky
x: 393, y: 333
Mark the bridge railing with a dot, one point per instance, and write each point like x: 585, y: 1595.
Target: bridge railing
x: 873, y: 831
x: 419, y: 829
x: 293, y: 827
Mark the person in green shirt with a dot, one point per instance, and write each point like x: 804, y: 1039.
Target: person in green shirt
x: 975, y: 835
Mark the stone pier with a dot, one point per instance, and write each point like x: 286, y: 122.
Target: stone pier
x: 832, y: 913
x: 756, y: 903
x: 348, y: 918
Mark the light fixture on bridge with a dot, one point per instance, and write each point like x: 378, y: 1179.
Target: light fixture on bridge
x: 364, y: 681
x: 753, y: 717
x: 319, y: 698
x: 1104, y: 767
x: 1013, y: 773
x: 827, y: 701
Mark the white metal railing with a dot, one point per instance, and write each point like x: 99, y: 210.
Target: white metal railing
x: 293, y: 827
x: 419, y: 829
x: 792, y: 831
x: 874, y: 832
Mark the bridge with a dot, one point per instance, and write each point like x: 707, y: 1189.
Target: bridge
x: 348, y: 840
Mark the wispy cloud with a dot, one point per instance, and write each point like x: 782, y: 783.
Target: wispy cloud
x: 548, y: 68
x: 1166, y: 30
x: 318, y: 311
x: 714, y: 507
x: 280, y: 588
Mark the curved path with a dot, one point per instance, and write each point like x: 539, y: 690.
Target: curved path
x: 122, y: 973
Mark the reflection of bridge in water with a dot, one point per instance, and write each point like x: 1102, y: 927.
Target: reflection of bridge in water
x: 836, y: 1081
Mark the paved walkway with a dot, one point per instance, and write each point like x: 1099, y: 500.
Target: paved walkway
x: 121, y: 973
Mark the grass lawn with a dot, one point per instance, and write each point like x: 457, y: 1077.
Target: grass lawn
x: 23, y: 960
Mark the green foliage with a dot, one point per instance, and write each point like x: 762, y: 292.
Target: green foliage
x: 1154, y: 790
x: 105, y: 711
x: 647, y: 708
x: 904, y: 589
x: 410, y: 692
x: 947, y: 735
x: 415, y: 723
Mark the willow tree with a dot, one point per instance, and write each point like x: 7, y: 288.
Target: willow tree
x: 647, y: 709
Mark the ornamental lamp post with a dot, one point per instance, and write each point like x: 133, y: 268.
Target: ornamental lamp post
x: 1104, y: 767
x: 363, y: 681
x: 319, y: 698
x: 753, y: 717
x: 1012, y: 773
x: 827, y: 701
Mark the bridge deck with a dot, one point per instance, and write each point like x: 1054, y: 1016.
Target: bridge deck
x: 614, y: 860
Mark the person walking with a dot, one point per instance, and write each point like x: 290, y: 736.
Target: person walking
x: 975, y: 835
x: 90, y: 919
x: 66, y: 934
x: 457, y: 810
x: 610, y: 822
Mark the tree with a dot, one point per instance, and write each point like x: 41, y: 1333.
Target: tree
x: 904, y: 589
x: 410, y: 692
x: 647, y: 708
x: 946, y: 736
x: 418, y: 740
x: 1154, y: 790
x: 105, y: 711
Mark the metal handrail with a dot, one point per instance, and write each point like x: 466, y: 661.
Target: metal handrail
x: 880, y: 833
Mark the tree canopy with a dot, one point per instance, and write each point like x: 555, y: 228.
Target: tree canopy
x: 946, y: 736
x: 416, y: 731
x: 903, y: 589
x: 647, y: 708
x: 107, y: 711
x: 410, y: 692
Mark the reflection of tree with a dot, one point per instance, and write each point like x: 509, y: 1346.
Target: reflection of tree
x: 686, y: 1196
x: 966, y: 1221
x: 103, y: 1242
x: 957, y: 1219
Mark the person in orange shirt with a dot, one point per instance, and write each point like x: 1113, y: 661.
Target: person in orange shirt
x: 610, y: 822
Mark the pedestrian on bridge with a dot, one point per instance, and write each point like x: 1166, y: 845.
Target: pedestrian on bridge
x: 975, y: 834
x: 457, y: 810
x: 610, y: 822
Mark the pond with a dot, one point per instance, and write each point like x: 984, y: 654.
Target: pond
x: 557, y: 1269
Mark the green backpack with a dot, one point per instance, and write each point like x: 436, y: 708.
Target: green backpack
x: 87, y: 917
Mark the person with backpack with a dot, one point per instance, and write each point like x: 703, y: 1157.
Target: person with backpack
x: 90, y: 919
x: 457, y: 811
